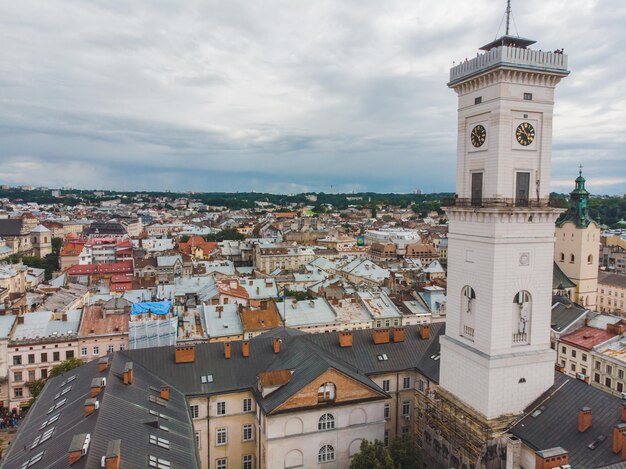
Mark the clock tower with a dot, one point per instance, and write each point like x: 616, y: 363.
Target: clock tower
x: 496, y: 355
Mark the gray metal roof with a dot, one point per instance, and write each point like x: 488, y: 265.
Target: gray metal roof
x: 123, y: 414
x: 557, y: 423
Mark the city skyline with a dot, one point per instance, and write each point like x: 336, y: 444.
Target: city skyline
x: 242, y: 98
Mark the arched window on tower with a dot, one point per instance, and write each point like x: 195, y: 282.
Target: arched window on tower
x: 562, y: 257
x: 572, y: 257
x: 590, y: 259
x: 468, y: 312
x: 521, y: 317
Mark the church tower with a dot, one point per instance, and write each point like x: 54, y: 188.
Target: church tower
x: 577, y: 246
x: 496, y: 355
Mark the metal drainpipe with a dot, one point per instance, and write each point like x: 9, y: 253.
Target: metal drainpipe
x: 208, y: 430
x: 397, y: 402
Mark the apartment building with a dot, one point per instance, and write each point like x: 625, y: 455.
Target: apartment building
x: 612, y: 293
x: 268, y: 259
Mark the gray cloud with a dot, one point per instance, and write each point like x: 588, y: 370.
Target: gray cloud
x: 283, y: 96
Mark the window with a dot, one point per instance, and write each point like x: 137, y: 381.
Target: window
x: 620, y: 374
x: 406, y: 382
x: 478, y: 100
x: 30, y: 462
x: 562, y: 257
x: 159, y: 463
x: 572, y: 257
x: 18, y: 392
x: 386, y: 438
x: 17, y: 376
x: 161, y: 442
x: 596, y: 377
x: 83, y: 351
x: 406, y: 408
x: 122, y: 347
x: 528, y: 96
x: 194, y: 410
x: 221, y: 463
x: 220, y: 436
x: 573, y: 367
x: 17, y: 359
x: 31, y: 358
x: 326, y: 454
x: 247, y: 462
x: 248, y: 432
x: 620, y: 386
x: 69, y: 354
x: 609, y: 369
x: 477, y: 189
x: 420, y: 386
x: 584, y: 357
x: 522, y: 189
x: 221, y: 408
x: 31, y: 375
x: 111, y: 349
x: 198, y: 440
x: 44, y: 357
x: 247, y: 404
x: 589, y: 259
x: 573, y: 353
x: 387, y: 410
x: 56, y: 356
x: 326, y: 422
x: 597, y: 366
x: 607, y: 382
x: 96, y: 350
x: 386, y: 385
x: 326, y: 392
x: 563, y: 350
x: 44, y: 373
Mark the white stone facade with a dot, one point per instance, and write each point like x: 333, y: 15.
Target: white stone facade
x: 496, y: 354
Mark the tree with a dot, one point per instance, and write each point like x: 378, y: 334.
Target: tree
x: 404, y: 453
x: 372, y: 456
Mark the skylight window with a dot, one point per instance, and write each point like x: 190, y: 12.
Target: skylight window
x: 161, y: 442
x: 68, y: 380
x: 159, y: 463
x: 158, y: 400
x: 538, y: 412
x: 45, y: 436
x: 35, y: 459
x: 383, y: 357
x: 206, y: 379
x: 52, y: 419
x: 595, y: 443
x: 63, y: 392
x: 56, y: 406
x: 158, y: 414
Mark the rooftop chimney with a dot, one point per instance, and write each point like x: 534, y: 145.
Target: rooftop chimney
x: 91, y: 405
x: 112, y: 456
x: 227, y: 350
x: 245, y: 348
x: 380, y: 336
x: 399, y: 334
x: 551, y: 458
x: 79, y: 447
x: 96, y: 386
x: 584, y: 419
x: 20, y: 319
x: 103, y: 364
x: 165, y: 393
x: 277, y: 343
x: 425, y: 331
x: 186, y: 354
x: 345, y: 339
x: 618, y: 437
x: 128, y: 373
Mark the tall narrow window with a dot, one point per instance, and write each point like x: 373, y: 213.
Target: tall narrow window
x: 468, y: 300
x: 522, y: 189
x: 477, y: 189
x: 521, y: 317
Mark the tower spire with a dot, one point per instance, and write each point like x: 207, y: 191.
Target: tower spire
x: 508, y: 16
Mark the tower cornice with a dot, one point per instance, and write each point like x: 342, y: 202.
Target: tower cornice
x: 512, y: 59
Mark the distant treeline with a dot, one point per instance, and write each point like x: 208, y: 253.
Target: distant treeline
x: 607, y: 210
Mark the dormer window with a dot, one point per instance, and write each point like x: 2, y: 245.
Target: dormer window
x: 326, y: 392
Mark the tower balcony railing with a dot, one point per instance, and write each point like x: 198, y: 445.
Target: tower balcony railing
x: 520, y: 338
x: 509, y: 56
x: 497, y: 202
x: 468, y: 332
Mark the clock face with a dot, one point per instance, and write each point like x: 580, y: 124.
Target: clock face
x: 478, y: 136
x: 525, y: 134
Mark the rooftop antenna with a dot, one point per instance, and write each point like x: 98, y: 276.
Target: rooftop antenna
x: 508, y: 15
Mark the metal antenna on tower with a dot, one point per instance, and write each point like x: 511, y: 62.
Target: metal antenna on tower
x: 508, y: 15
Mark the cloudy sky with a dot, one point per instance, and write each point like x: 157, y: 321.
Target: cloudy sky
x: 284, y: 95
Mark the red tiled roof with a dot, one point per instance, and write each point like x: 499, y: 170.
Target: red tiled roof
x: 587, y: 337
x: 123, y: 267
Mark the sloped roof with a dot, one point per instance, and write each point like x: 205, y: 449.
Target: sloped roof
x: 559, y: 279
x: 564, y: 313
x: 557, y: 424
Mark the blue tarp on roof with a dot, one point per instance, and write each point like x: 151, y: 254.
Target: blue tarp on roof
x: 155, y: 307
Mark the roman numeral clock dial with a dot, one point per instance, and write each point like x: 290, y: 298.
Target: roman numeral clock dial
x: 525, y: 134
x: 478, y: 136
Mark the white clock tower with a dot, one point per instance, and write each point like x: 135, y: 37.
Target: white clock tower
x: 496, y: 355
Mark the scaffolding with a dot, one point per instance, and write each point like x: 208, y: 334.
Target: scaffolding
x: 453, y: 434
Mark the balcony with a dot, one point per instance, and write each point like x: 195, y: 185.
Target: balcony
x: 520, y: 338
x: 498, y: 202
x: 468, y: 332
